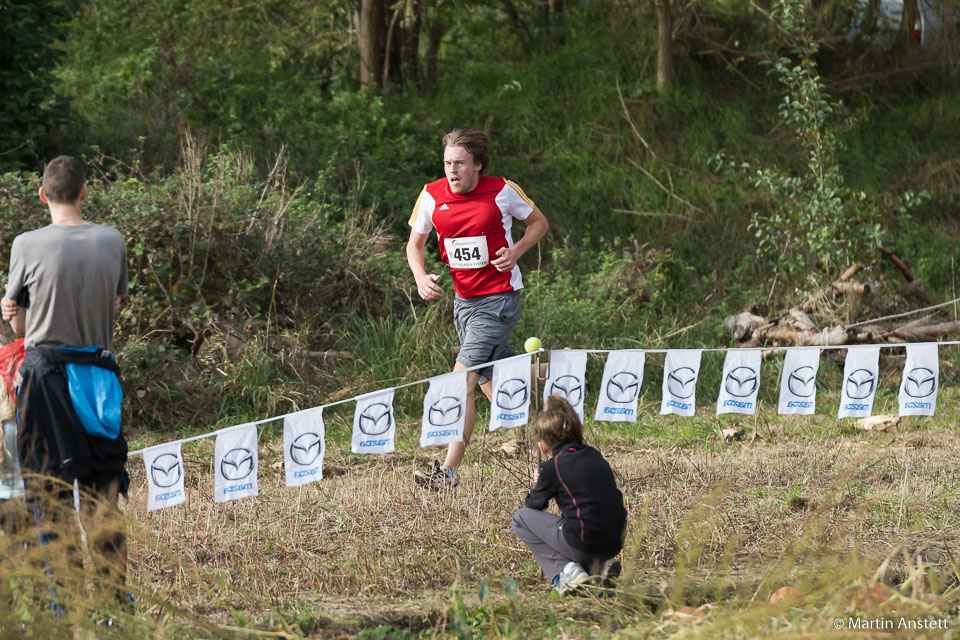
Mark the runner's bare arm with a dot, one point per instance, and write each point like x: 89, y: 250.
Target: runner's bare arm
x: 426, y: 282
x: 507, y: 257
x: 14, y: 314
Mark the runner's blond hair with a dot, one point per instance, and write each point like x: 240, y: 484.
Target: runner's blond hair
x: 475, y: 142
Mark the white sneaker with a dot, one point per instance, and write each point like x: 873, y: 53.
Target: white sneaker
x: 442, y: 477
x: 572, y: 576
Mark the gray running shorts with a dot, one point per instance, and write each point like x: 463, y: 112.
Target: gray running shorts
x: 484, y: 325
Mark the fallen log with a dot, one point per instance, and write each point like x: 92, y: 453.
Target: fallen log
x: 914, y: 284
x: 743, y: 325
x: 898, y: 263
x: 801, y: 320
x: 830, y: 293
x: 828, y: 337
x: 797, y: 328
x: 928, y: 332
x: 850, y: 272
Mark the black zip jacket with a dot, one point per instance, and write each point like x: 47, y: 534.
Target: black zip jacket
x: 582, y: 483
x: 50, y: 437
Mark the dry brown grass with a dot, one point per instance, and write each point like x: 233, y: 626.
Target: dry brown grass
x: 715, y: 527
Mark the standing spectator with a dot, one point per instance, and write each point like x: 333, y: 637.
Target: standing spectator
x: 65, y: 284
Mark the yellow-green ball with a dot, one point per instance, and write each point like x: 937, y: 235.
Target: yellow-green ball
x: 532, y: 344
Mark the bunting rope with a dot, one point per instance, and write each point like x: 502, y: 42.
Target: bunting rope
x: 445, y: 406
x: 724, y: 349
x: 907, y: 313
x: 333, y: 404
x: 521, y: 355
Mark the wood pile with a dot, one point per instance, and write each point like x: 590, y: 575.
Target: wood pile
x: 796, y: 327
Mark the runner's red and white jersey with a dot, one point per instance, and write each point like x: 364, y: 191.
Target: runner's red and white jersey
x: 471, y: 228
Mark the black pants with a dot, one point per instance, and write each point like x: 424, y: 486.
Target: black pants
x: 47, y: 522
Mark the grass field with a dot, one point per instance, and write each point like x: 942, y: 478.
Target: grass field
x: 863, y: 526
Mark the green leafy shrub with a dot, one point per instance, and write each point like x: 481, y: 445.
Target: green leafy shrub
x: 31, y: 109
x: 604, y: 297
x: 212, y: 249
x: 816, y: 225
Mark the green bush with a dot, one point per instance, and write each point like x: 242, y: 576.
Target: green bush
x: 214, y: 250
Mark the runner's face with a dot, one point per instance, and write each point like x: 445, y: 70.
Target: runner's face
x: 461, y: 170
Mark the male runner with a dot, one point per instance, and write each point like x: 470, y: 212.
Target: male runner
x: 64, y: 288
x: 473, y: 214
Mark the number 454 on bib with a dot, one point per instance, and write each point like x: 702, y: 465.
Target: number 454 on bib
x: 467, y: 253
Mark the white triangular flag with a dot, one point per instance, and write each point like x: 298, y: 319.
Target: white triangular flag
x: 740, y: 384
x: 565, y: 378
x: 303, y: 447
x: 861, y: 372
x: 510, y: 406
x: 620, y: 386
x: 921, y: 377
x: 235, y: 464
x: 680, y: 371
x: 444, y: 409
x: 165, y: 476
x: 798, y: 383
x: 373, y: 424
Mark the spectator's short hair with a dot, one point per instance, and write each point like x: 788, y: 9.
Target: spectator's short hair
x: 475, y: 142
x: 558, y: 424
x: 63, y: 180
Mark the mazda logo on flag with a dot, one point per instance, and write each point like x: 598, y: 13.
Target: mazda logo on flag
x: 741, y: 382
x: 306, y: 448
x: 568, y: 387
x: 445, y: 411
x: 512, y: 394
x: 165, y: 470
x: 802, y: 382
x: 681, y: 383
x: 376, y: 419
x: 920, y: 382
x: 623, y: 387
x: 236, y: 464
x: 860, y: 384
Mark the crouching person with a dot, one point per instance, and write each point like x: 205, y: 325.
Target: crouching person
x: 588, y: 535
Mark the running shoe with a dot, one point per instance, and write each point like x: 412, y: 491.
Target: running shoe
x: 570, y: 579
x: 610, y: 569
x: 442, y: 477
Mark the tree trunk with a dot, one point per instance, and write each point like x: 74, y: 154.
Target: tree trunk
x: 868, y: 25
x: 371, y: 42
x: 412, y: 23
x: 519, y: 26
x: 434, y: 36
x: 391, y: 51
x: 664, y: 45
x: 559, y: 33
x: 907, y: 25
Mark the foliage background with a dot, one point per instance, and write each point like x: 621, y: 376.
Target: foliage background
x: 263, y: 186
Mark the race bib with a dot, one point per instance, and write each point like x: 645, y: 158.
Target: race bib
x: 467, y: 253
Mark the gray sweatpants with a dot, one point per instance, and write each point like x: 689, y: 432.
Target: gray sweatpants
x: 543, y: 534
